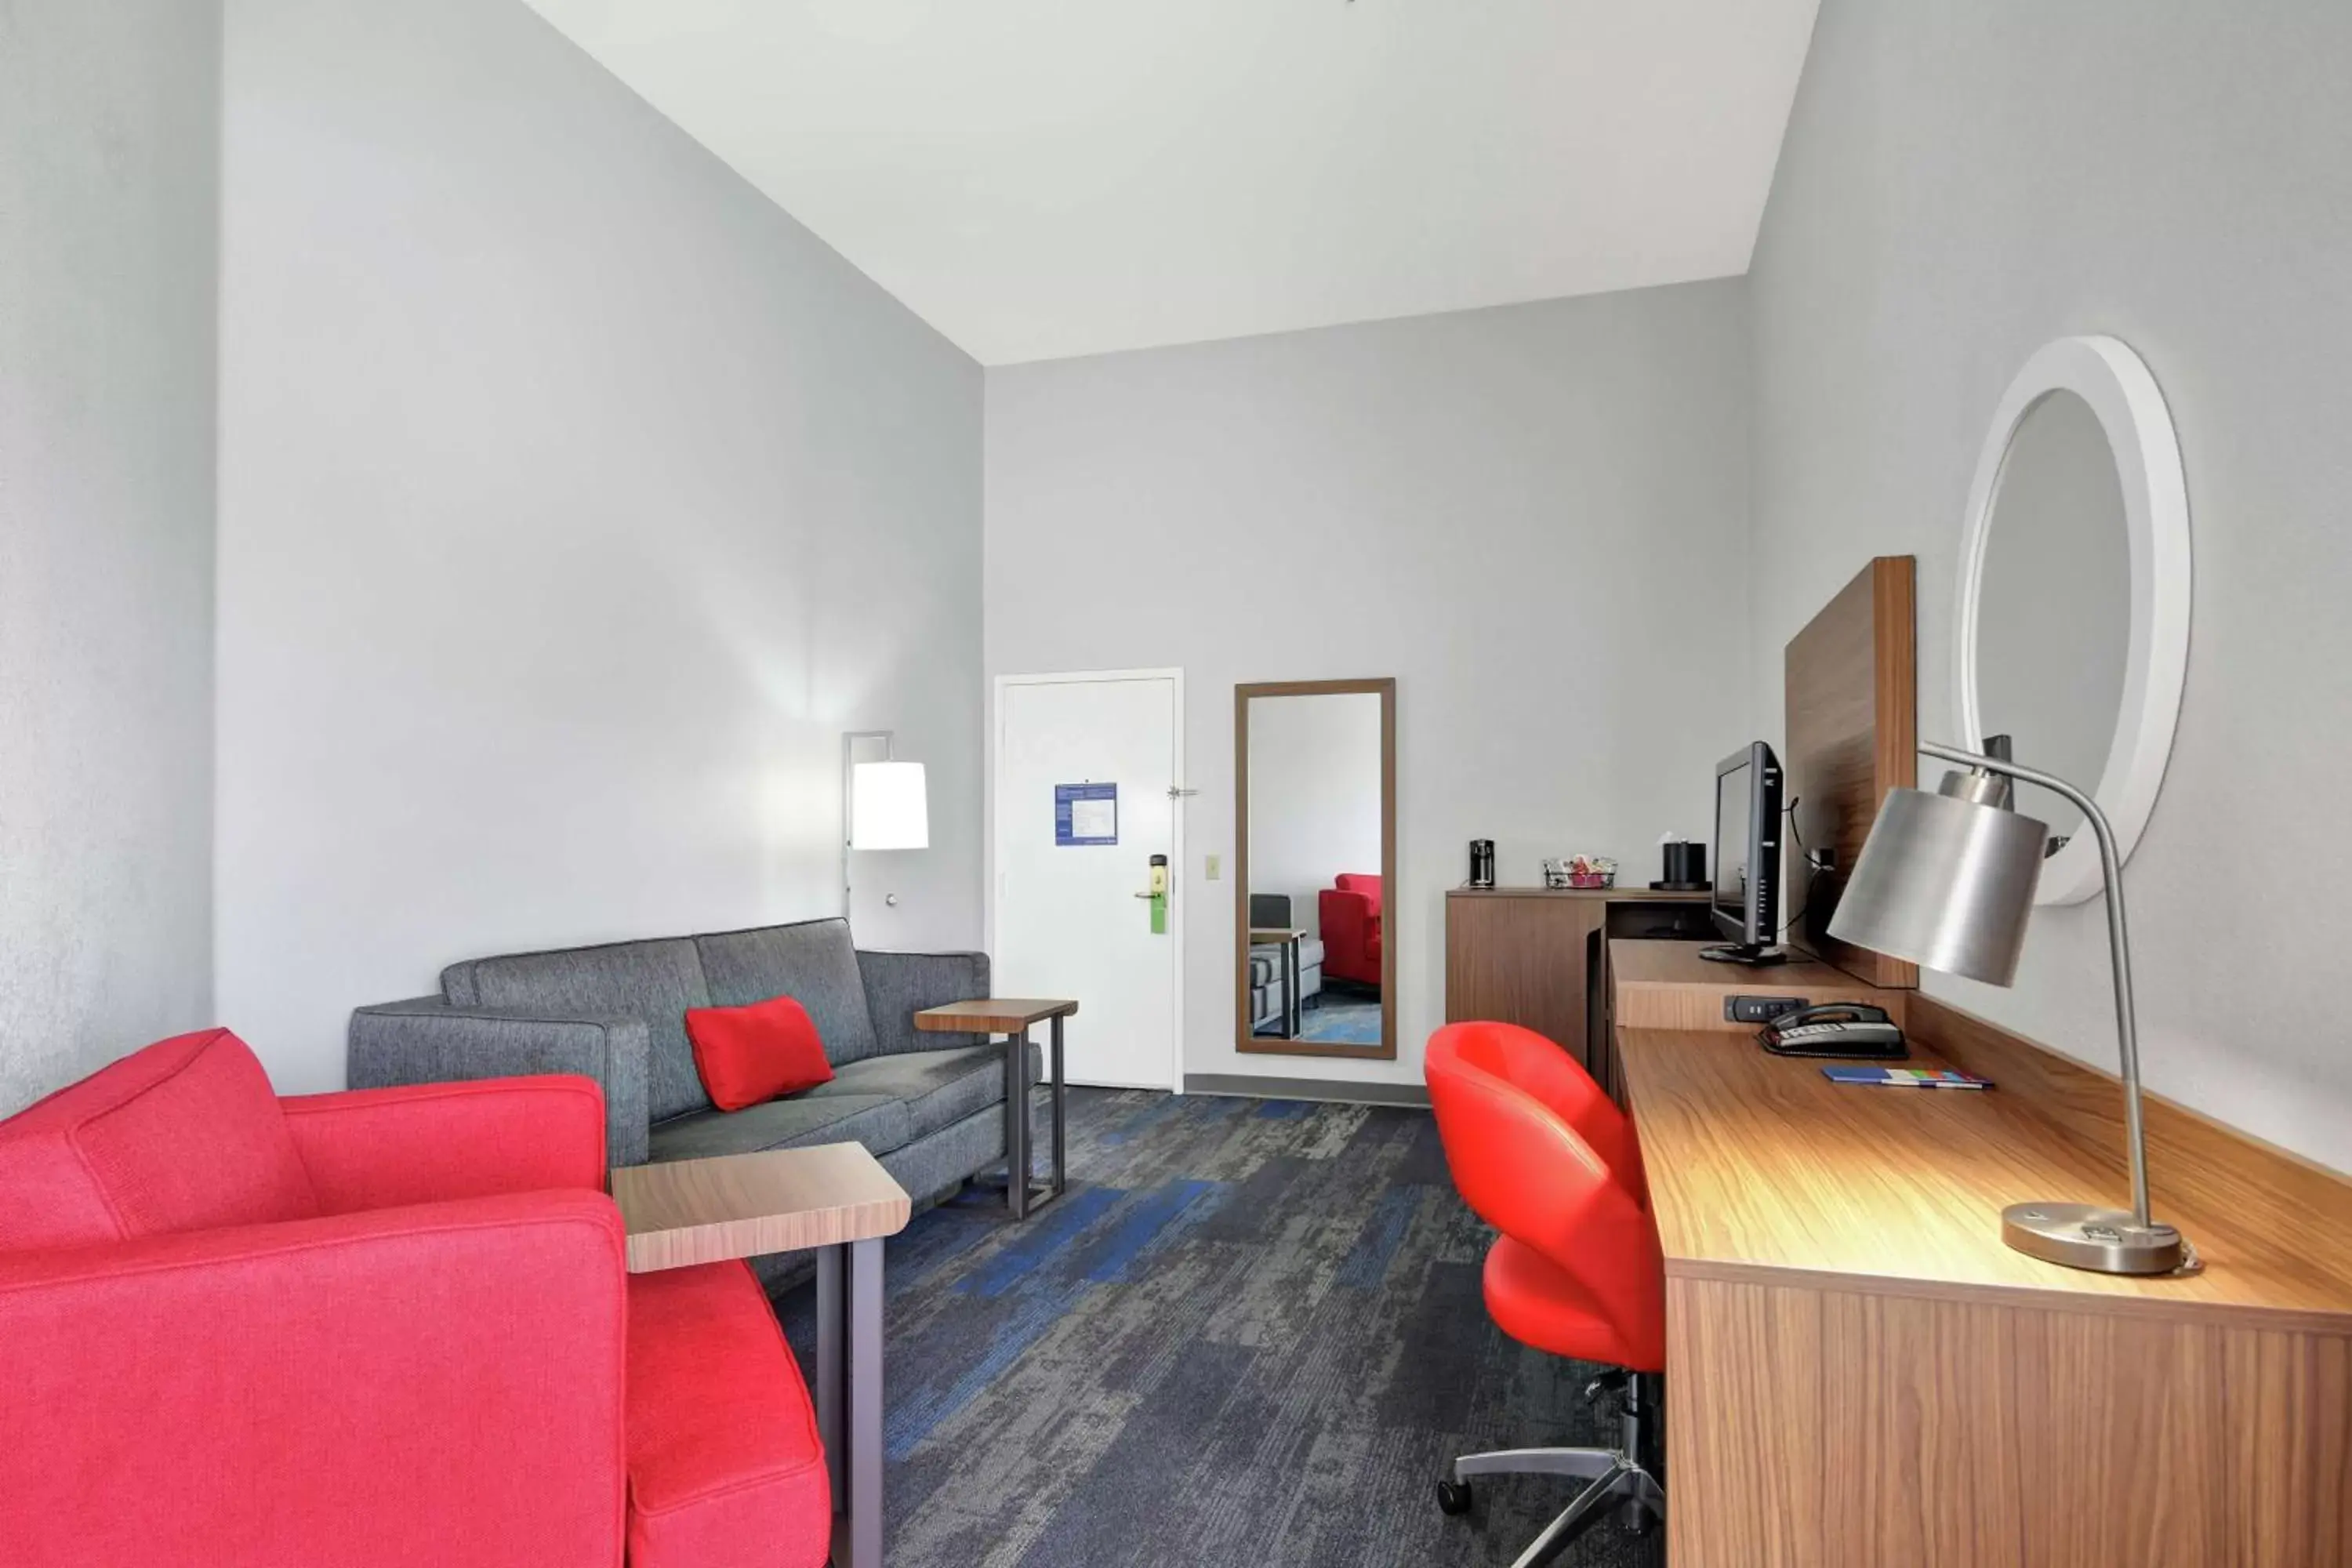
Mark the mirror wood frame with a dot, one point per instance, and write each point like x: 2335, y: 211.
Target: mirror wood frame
x: 2107, y: 374
x: 1244, y: 1039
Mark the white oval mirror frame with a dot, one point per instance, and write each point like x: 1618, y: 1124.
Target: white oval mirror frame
x: 2105, y: 374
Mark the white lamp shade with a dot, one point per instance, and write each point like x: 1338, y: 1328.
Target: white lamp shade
x: 888, y: 808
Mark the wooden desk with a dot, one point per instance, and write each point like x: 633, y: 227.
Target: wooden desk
x: 836, y: 1199
x: 1860, y: 1372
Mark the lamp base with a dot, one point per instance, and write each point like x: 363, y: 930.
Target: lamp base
x: 2083, y: 1236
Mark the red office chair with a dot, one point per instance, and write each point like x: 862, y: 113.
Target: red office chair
x: 1539, y: 1150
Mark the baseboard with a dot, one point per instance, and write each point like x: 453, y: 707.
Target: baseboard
x: 1251, y: 1086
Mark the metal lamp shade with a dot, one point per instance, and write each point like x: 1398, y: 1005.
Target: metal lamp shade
x: 1946, y: 882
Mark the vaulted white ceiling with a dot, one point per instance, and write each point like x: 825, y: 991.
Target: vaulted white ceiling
x: 1041, y: 178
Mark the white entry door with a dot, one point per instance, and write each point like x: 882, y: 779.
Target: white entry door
x: 1086, y: 767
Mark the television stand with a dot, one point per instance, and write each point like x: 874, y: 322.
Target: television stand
x: 1744, y: 952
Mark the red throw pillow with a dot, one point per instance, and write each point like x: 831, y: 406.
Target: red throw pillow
x: 746, y: 1055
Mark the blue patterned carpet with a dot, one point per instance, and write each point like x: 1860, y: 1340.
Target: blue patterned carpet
x: 1250, y: 1335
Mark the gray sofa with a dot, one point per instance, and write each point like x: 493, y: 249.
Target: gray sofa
x: 929, y: 1107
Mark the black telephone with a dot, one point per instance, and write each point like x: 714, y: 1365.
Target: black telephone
x: 1854, y: 1029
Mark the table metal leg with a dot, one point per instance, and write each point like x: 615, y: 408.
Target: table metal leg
x: 1061, y: 1130
x: 1016, y: 1124
x: 1294, y: 1007
x: 832, y: 1337
x: 864, y: 1524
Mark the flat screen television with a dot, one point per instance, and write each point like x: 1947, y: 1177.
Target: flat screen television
x: 1747, y: 849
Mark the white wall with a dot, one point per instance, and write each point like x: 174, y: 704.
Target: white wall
x: 573, y: 500
x: 1533, y: 518
x: 1315, y: 796
x: 109, y: 138
x: 1963, y: 182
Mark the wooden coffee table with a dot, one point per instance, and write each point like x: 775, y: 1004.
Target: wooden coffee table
x: 1012, y: 1017
x: 835, y: 1200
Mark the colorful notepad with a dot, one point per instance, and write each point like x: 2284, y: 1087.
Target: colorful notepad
x: 1906, y: 1077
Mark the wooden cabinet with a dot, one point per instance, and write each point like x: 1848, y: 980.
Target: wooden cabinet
x: 1534, y: 956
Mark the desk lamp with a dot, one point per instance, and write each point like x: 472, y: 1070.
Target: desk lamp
x: 1947, y: 881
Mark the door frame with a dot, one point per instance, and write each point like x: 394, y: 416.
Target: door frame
x: 1177, y: 897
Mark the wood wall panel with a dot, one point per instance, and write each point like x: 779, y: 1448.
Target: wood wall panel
x: 1852, y: 734
x: 1814, y: 1426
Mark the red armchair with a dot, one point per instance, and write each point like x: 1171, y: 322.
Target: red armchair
x: 381, y: 1328
x: 1351, y: 915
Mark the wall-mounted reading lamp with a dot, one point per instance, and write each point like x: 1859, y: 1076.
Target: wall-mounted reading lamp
x: 1947, y: 881
x: 885, y: 804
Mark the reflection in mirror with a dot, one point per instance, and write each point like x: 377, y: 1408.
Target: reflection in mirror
x: 1316, y: 827
x: 2053, y: 615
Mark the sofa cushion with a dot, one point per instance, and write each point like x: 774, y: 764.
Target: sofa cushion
x: 876, y: 1121
x: 814, y: 963
x: 725, y: 1464
x: 656, y: 981
x: 746, y: 1055
x: 938, y: 1088
x: 185, y: 1135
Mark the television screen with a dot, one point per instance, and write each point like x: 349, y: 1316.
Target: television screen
x: 1733, y: 794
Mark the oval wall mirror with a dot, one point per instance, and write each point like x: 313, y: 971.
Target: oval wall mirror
x: 2073, y: 627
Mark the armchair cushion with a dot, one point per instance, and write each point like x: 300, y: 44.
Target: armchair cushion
x: 185, y: 1135
x: 748, y: 1053
x: 725, y: 1464
x: 375, y: 1148
x: 439, y: 1383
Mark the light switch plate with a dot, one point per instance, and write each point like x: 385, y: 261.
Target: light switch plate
x: 1216, y: 867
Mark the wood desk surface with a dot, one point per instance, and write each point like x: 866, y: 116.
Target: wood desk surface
x: 682, y: 1211
x: 1679, y: 964
x: 993, y: 1014
x: 1760, y: 1169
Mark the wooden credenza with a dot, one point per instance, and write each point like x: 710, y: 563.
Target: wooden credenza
x: 1537, y: 957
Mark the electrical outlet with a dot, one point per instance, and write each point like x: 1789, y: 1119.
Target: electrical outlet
x: 1758, y: 1009
x: 1216, y: 867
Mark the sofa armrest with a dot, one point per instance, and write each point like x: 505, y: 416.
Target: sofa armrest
x: 900, y: 984
x: 381, y: 1147
x: 429, y: 1041
x: 442, y: 1382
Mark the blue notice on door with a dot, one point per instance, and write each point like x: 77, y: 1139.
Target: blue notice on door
x: 1086, y: 814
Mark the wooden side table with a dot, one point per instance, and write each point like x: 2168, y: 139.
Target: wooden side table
x: 1293, y: 1006
x: 1012, y: 1017
x: 835, y: 1200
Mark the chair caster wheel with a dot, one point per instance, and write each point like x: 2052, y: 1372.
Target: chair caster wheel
x: 1453, y: 1497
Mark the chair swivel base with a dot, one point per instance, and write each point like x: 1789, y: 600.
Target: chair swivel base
x: 1614, y: 1481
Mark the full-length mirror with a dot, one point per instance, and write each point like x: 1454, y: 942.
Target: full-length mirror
x: 2073, y: 629
x: 1314, y: 879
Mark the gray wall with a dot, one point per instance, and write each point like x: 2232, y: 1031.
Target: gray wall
x: 573, y: 500
x: 1961, y: 183
x: 110, y: 137
x: 1533, y: 518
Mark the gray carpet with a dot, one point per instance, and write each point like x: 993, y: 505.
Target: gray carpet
x: 1250, y: 1335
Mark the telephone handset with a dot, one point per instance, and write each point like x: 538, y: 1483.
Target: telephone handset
x: 1851, y: 1029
